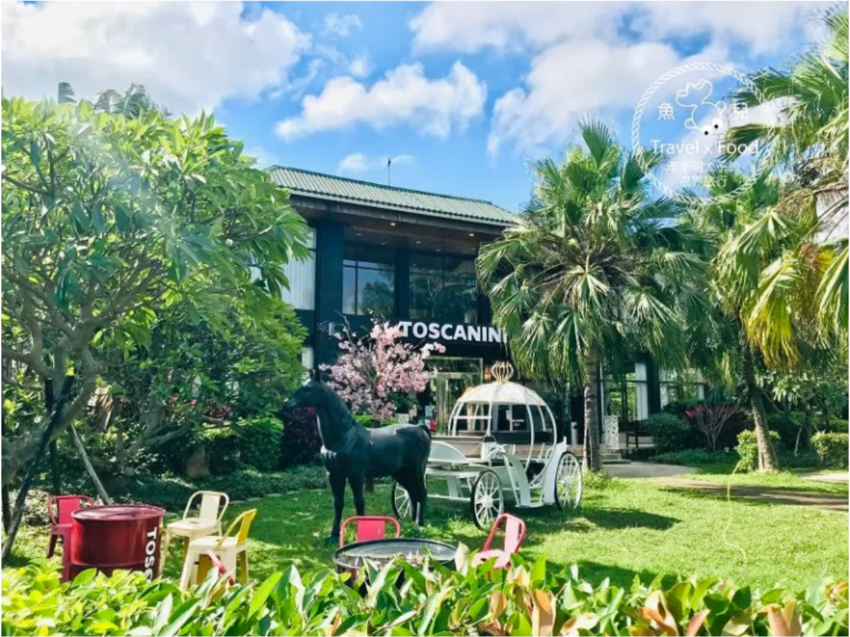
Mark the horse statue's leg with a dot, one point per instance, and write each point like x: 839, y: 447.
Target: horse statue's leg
x: 421, y: 497
x: 337, y: 480
x: 357, y: 482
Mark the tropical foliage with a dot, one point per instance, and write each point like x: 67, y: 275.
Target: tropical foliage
x: 107, y: 219
x: 595, y: 270
x: 810, y: 139
x: 530, y: 599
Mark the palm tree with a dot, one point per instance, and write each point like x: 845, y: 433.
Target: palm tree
x: 742, y: 231
x: 134, y: 102
x: 592, y: 273
x: 811, y: 139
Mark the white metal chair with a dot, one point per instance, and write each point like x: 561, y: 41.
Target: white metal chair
x: 208, y: 521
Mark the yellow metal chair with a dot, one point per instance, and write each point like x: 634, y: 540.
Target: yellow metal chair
x: 231, y: 548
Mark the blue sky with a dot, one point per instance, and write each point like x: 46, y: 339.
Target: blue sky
x: 465, y: 95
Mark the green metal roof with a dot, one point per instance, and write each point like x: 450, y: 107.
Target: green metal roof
x: 319, y: 185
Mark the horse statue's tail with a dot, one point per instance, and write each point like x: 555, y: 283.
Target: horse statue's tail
x: 427, y: 428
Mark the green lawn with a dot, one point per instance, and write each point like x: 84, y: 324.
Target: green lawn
x: 630, y: 527
x: 624, y: 528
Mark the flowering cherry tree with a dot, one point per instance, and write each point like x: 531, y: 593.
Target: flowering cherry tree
x: 373, y: 374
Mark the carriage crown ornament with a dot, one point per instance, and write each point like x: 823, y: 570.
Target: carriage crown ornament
x: 502, y: 372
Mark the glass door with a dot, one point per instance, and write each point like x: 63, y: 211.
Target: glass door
x: 453, y: 376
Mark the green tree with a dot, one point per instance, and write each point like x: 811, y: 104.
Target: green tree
x: 593, y: 273
x: 103, y: 214
x: 744, y: 230
x: 810, y: 140
x: 190, y: 375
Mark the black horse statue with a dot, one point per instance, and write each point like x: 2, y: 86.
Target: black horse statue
x: 350, y: 451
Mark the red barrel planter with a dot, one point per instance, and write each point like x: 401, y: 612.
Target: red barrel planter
x: 116, y: 536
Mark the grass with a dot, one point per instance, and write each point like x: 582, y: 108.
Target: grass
x: 624, y: 528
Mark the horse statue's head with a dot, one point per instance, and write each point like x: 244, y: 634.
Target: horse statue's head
x: 318, y: 399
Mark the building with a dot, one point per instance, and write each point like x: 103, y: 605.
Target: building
x: 409, y: 257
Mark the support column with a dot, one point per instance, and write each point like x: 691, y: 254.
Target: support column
x: 330, y: 249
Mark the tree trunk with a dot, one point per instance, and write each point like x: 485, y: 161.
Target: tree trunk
x: 592, y: 460
x: 53, y: 423
x: 54, y: 454
x: 7, y: 509
x: 75, y: 438
x: 4, y: 494
x: 55, y: 473
x: 767, y: 455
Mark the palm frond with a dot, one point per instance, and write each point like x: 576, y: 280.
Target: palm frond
x: 833, y: 293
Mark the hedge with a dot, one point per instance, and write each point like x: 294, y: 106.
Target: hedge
x: 748, y: 449
x: 527, y: 599
x: 831, y: 449
x: 670, y: 433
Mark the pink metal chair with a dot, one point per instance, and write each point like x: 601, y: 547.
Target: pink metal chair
x: 514, y: 535
x: 59, y: 510
x: 218, y: 565
x: 369, y: 528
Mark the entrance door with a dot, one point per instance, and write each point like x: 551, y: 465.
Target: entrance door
x: 453, y: 377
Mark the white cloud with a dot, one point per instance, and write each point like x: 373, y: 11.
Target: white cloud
x: 360, y: 66
x: 265, y: 158
x: 759, y: 26
x: 189, y: 56
x: 361, y: 163
x: 341, y: 25
x: 471, y: 26
x: 570, y: 80
x: 403, y: 97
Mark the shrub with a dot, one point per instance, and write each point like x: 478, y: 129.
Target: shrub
x: 748, y: 449
x: 831, y: 449
x: 222, y: 448
x: 670, y: 433
x: 728, y: 437
x: 172, y: 492
x: 259, y: 442
x: 788, y: 426
x: 834, y: 425
x: 300, y: 442
x: 528, y: 599
x: 696, y: 457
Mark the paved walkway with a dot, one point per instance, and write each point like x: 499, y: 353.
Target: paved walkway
x: 824, y: 501
x: 829, y: 476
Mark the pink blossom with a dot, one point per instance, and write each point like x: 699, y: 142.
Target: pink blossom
x: 369, y: 372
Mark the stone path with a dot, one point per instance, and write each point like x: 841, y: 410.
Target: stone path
x: 824, y: 501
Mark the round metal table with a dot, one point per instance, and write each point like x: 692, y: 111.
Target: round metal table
x: 414, y: 550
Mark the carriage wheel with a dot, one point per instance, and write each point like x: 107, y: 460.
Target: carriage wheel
x: 400, y: 500
x: 568, y: 482
x: 487, y: 500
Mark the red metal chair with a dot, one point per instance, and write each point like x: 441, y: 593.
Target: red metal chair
x: 59, y: 510
x: 514, y: 535
x: 369, y: 528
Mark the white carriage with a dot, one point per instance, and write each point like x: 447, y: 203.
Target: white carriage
x: 503, y: 443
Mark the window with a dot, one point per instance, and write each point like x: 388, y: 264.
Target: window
x: 302, y: 279
x: 685, y: 386
x: 442, y: 288
x: 627, y: 395
x: 368, y: 281
x: 307, y: 361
